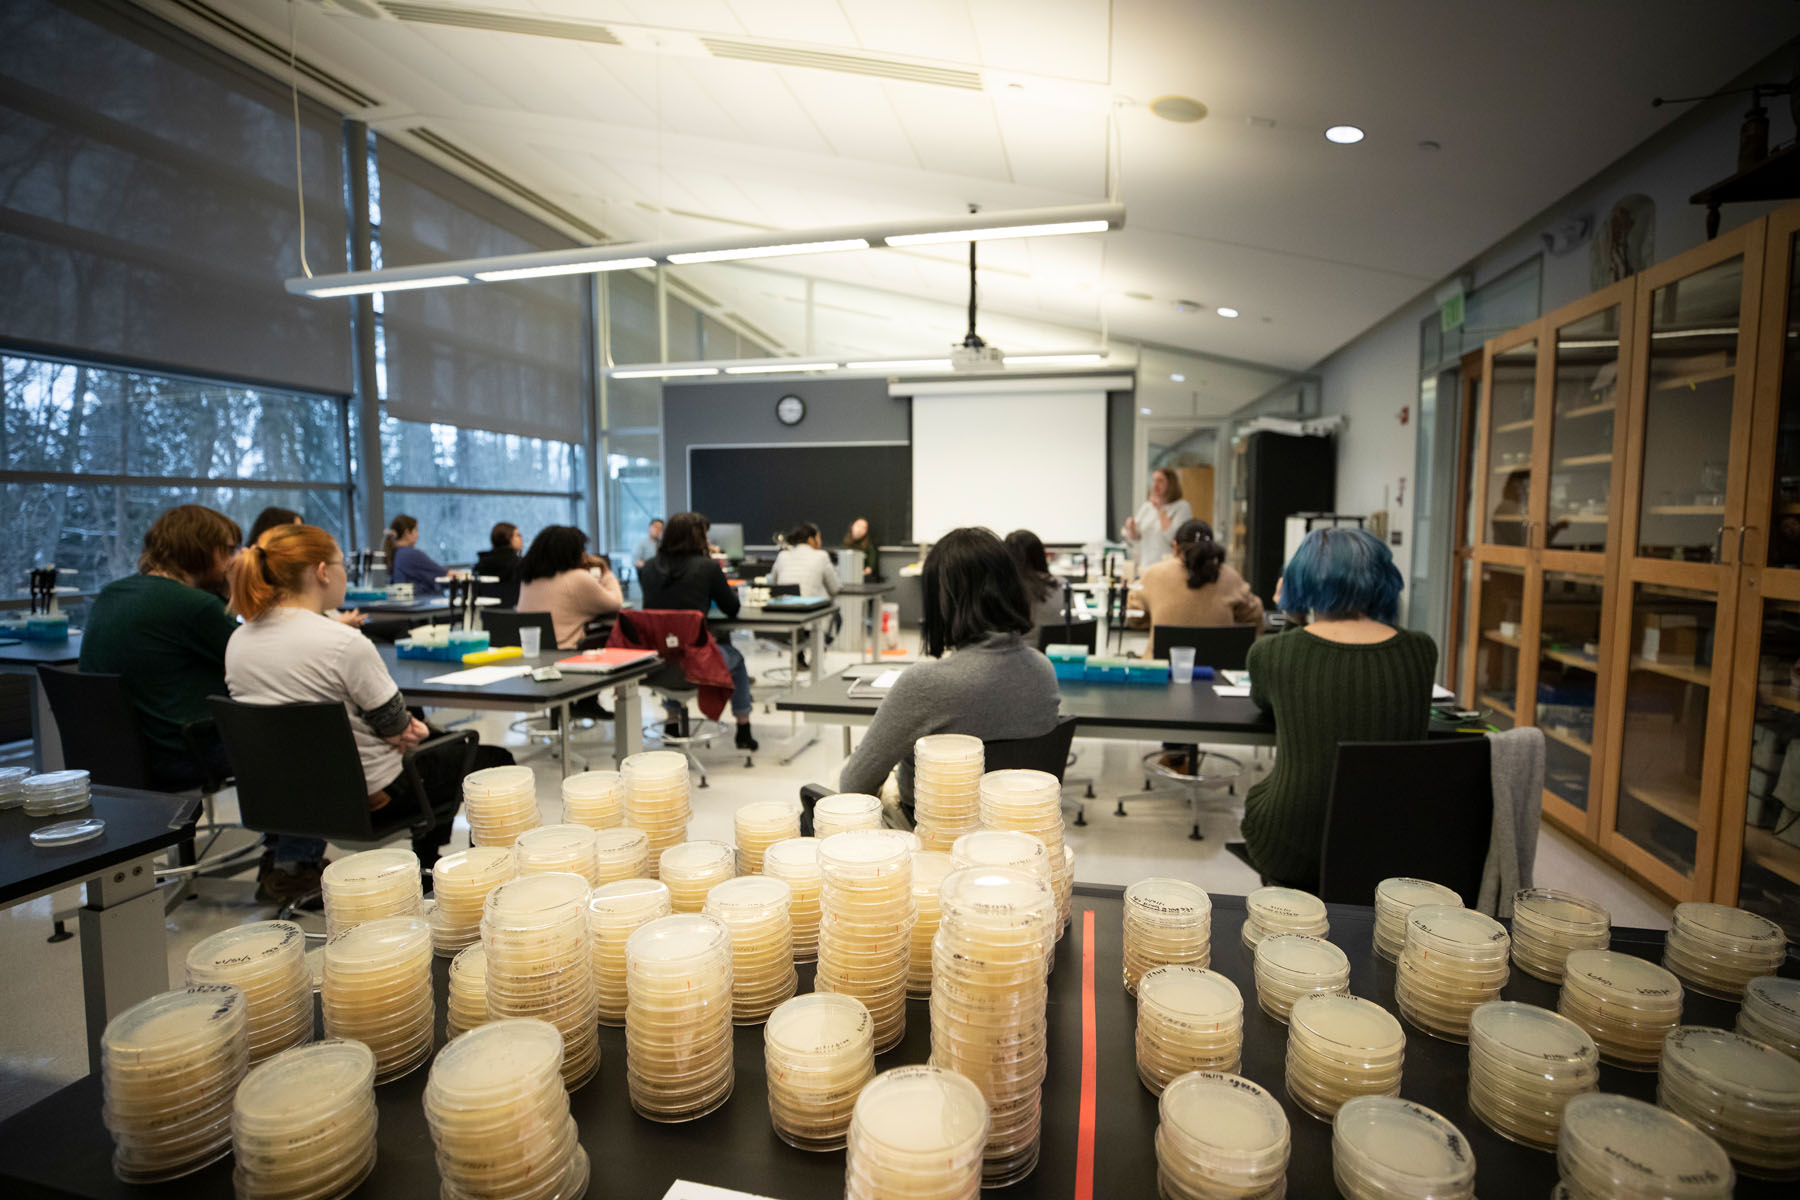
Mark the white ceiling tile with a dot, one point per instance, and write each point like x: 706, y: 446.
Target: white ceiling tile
x: 668, y: 87
x: 817, y: 21
x: 854, y: 115
x: 953, y: 132
x: 1055, y: 148
x: 700, y: 16
x: 1067, y: 38
x: 932, y: 29
x: 760, y: 101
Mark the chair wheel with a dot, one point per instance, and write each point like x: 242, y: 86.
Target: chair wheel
x: 703, y: 782
x: 1120, y: 810
x: 1196, y: 835
x: 59, y: 934
x: 1081, y: 816
x: 1146, y: 783
x: 748, y: 761
x: 1090, y: 791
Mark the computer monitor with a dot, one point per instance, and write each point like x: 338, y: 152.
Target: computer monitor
x: 729, y: 539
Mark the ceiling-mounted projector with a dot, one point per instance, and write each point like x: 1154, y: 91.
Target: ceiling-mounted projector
x: 977, y: 357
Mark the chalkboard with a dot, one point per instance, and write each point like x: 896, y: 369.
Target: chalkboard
x: 771, y: 488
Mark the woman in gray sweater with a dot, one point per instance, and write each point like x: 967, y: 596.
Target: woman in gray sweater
x: 991, y: 685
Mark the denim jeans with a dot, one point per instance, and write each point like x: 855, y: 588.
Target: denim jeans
x: 741, y: 703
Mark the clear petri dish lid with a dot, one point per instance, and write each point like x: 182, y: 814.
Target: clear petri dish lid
x: 929, y: 870
x: 1191, y: 992
x: 499, y: 1058
x: 922, y: 1111
x: 952, y: 748
x: 765, y: 814
x: 1402, y: 1142
x: 1167, y: 900
x: 1559, y: 910
x: 620, y: 840
x: 1622, y: 979
x: 536, y: 897
x: 1408, y: 892
x: 795, y: 855
x: 68, y: 833
x: 1734, y: 1064
x: 377, y: 943
x: 1000, y: 848
x: 628, y: 895
x: 1301, y: 954
x: 847, y: 804
x: 820, y: 1025
x: 305, y: 1083
x: 697, y: 858
x: 995, y: 891
x: 1284, y: 905
x: 470, y: 962
x: 1461, y: 931
x: 13, y: 779
x: 177, y: 1021
x: 1731, y: 928
x: 55, y: 783
x: 653, y: 764
x: 1336, y: 1019
x: 371, y: 870
x: 748, y: 894
x: 1653, y: 1151
x: 1527, y: 1034
x: 1022, y: 788
x: 555, y: 841
x: 499, y: 781
x: 475, y: 865
x: 1775, y: 1000
x: 593, y: 785
x: 248, y: 947
x: 677, y: 939
x: 862, y: 850
x: 1233, y: 1119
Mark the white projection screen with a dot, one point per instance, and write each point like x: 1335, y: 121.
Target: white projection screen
x: 1010, y: 460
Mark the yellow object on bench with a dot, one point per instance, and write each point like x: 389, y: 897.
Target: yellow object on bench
x: 496, y: 654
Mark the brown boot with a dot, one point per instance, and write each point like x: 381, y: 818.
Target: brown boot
x: 278, y: 885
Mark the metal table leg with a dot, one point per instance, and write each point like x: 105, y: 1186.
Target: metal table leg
x: 124, y: 951
x: 568, y: 718
x: 818, y: 648
x: 628, y: 722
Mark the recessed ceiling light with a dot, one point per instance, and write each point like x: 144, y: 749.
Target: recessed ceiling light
x: 1178, y: 378
x: 1226, y: 312
x: 1183, y: 110
x: 1145, y: 411
x: 1188, y: 306
x: 1344, y: 135
x: 1429, y: 146
x: 1137, y: 295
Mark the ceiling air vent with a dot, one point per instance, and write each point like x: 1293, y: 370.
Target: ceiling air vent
x: 500, y: 22
x: 243, y: 34
x: 848, y: 64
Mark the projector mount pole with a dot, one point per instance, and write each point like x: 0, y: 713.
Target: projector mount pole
x: 972, y: 340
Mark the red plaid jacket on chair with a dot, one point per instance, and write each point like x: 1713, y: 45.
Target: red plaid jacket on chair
x: 681, y: 638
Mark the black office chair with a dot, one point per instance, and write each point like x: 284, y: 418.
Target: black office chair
x: 784, y: 589
x: 1221, y: 647
x: 1048, y: 752
x: 503, y: 625
x: 1421, y: 809
x: 1076, y: 633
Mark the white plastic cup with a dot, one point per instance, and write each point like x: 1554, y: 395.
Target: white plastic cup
x: 1181, y: 664
x: 531, y: 640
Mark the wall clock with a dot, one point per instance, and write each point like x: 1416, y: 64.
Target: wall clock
x: 790, y: 410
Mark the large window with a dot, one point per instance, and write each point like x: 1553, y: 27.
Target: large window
x: 90, y: 455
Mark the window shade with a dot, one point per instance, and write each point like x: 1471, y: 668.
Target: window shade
x: 147, y: 205
x: 506, y: 357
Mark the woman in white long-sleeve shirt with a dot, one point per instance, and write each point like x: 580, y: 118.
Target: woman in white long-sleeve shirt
x: 1152, y: 530
x: 805, y: 563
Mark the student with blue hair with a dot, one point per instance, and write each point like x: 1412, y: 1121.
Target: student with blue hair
x: 1346, y: 675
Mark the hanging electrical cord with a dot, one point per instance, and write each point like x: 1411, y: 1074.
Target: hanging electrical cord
x: 299, y: 183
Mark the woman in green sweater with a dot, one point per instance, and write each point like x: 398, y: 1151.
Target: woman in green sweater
x: 1347, y: 675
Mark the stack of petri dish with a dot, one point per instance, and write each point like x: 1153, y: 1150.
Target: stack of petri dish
x: 755, y: 909
x: 55, y: 792
x: 266, y: 960
x: 916, y: 1133
x: 12, y: 786
x: 1717, y: 950
x: 1548, y: 925
x: 1270, y: 911
x: 1745, y: 1094
x: 844, y: 813
x: 460, y: 884
x: 1031, y: 802
x: 376, y: 989
x: 467, y: 1005
x: 500, y: 804
x: 1001, y: 848
x: 1614, y: 1146
x: 499, y: 1116
x: 1454, y: 961
x: 678, y: 1033
x: 615, y: 910
x: 1396, y: 897
x: 947, y: 771
x: 1220, y: 1136
x: 930, y: 868
x: 303, y: 1124
x: 571, y: 849
x: 1188, y: 1019
x: 1384, y: 1148
x: 1525, y: 1064
x: 818, y: 1051
x: 988, y: 990
x: 1341, y: 1047
x: 539, y: 964
x: 656, y: 798
x: 1289, y: 965
x: 621, y: 854
x: 594, y: 798
x: 169, y: 1067
x: 692, y: 869
x: 371, y: 885
x: 1771, y: 1013
x: 759, y: 826
x: 795, y: 861
x: 1167, y: 921
x: 865, y: 925
x: 1626, y: 1004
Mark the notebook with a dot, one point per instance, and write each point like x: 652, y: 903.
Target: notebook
x: 604, y: 662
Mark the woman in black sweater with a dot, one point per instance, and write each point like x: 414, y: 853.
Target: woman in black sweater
x: 684, y: 577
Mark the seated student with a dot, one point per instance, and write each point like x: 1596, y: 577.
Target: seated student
x: 1196, y: 586
x: 287, y: 652
x: 992, y: 685
x: 557, y: 576
x: 406, y: 563
x: 1348, y: 675
x: 1042, y: 590
x: 165, y: 630
x: 683, y: 576
x: 861, y: 537
x: 268, y: 519
x: 802, y: 561
x: 501, y: 560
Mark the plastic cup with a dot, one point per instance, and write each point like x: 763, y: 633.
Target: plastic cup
x: 1181, y: 664
x: 531, y: 640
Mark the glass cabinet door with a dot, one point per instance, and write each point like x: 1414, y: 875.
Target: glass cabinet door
x: 1512, y: 407
x: 1501, y: 620
x: 1784, y: 517
x: 1692, y: 374
x: 1581, y: 432
x: 1568, y: 661
x: 1769, y: 875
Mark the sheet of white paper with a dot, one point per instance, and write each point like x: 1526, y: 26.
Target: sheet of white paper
x: 479, y: 676
x: 1229, y: 689
x: 1440, y: 693
x: 685, y: 1189
x: 1236, y: 678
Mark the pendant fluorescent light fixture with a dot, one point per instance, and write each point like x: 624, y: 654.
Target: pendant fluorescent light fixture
x: 662, y: 372
x: 777, y: 243
x: 902, y: 364
x: 780, y: 368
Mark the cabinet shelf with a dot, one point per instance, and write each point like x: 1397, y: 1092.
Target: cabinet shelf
x: 1677, y: 804
x: 1583, y: 519
x: 1694, y: 380
x: 1686, y: 510
x: 1515, y: 426
x: 1586, y: 410
x: 1772, y: 854
x: 1568, y: 739
x: 1569, y: 658
x: 1504, y: 639
x: 1587, y: 460
x: 1781, y: 696
x: 1686, y: 672
x: 1495, y: 703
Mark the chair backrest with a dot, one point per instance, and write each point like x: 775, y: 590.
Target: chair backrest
x: 1421, y: 809
x: 327, y: 799
x: 503, y: 625
x: 1046, y: 752
x: 1076, y: 633
x: 784, y: 589
x: 98, y: 725
x: 1221, y: 647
